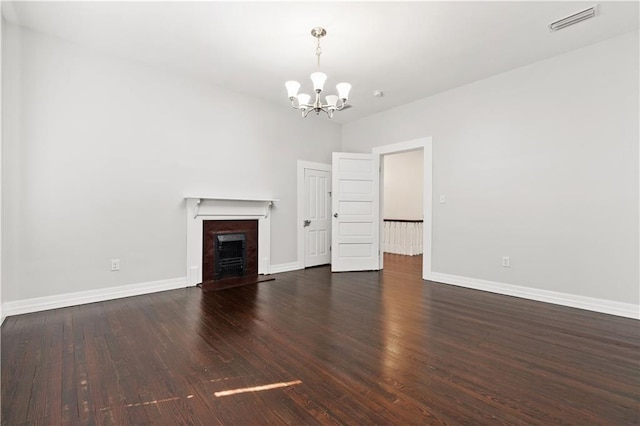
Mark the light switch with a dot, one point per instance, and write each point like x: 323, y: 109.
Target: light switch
x: 115, y: 264
x: 442, y: 199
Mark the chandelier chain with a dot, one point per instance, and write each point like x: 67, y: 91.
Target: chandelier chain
x: 318, y: 53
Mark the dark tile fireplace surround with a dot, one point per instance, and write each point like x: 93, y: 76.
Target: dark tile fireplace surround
x: 229, y: 254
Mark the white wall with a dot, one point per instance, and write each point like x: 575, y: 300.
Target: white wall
x: 1, y: 26
x: 403, y: 185
x: 101, y: 153
x: 539, y: 164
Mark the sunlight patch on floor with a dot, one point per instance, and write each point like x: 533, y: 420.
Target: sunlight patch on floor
x: 142, y: 404
x: 257, y: 388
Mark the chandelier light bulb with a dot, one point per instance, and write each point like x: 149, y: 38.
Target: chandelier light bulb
x: 332, y: 101
x: 343, y: 91
x: 302, y: 101
x: 318, y: 78
x: 292, y: 89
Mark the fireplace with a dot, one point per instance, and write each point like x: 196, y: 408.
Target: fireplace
x: 229, y: 253
x: 209, y: 218
x: 231, y: 256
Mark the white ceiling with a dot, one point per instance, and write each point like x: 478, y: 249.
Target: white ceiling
x: 409, y: 50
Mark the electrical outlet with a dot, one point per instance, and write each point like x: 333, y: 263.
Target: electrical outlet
x: 506, y: 262
x: 115, y: 264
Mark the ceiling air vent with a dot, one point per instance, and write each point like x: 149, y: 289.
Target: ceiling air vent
x: 573, y: 19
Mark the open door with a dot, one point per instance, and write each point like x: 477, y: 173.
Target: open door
x: 356, y: 209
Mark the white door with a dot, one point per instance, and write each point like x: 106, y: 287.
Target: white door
x: 355, y: 207
x: 317, y: 213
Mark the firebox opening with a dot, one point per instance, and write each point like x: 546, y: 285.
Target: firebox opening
x: 231, y: 255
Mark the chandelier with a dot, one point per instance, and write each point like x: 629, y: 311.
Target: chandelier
x: 334, y: 103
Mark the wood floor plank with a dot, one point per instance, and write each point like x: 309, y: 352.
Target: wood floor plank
x: 349, y: 348
x: 26, y: 394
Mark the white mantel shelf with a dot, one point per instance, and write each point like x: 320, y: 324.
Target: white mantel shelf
x: 233, y: 203
x: 201, y: 208
x: 208, y: 197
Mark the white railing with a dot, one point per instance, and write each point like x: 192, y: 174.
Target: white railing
x: 402, y: 237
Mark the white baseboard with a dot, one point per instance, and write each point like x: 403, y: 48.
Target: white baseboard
x: 627, y: 310
x: 90, y: 296
x: 71, y: 299
x: 285, y: 267
x: 37, y: 304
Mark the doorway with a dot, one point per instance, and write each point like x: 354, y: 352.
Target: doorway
x: 426, y: 145
x: 402, y: 205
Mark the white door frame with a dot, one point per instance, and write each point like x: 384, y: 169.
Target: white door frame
x: 302, y: 165
x: 426, y: 144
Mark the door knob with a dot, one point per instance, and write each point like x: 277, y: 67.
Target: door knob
x: 335, y: 215
x: 307, y: 222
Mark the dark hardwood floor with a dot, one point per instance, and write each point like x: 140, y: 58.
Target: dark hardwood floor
x: 349, y: 348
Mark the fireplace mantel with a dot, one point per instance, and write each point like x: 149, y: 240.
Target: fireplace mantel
x: 230, y: 206
x: 201, y: 208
